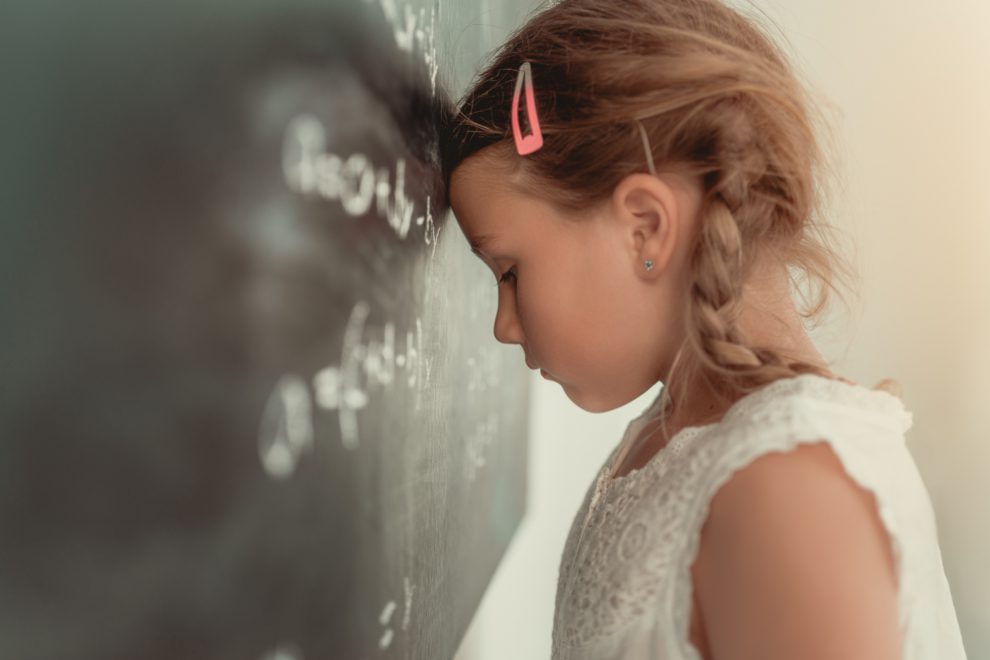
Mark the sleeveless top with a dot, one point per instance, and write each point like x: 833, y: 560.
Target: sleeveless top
x: 624, y: 587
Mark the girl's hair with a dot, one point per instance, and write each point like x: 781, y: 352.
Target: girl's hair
x: 721, y: 105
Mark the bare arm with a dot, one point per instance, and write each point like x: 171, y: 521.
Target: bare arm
x: 794, y: 562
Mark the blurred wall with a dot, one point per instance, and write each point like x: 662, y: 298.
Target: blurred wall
x: 908, y: 90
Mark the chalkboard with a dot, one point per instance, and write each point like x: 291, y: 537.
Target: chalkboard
x: 252, y: 403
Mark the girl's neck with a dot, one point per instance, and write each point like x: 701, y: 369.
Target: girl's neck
x: 768, y: 317
x: 702, y: 408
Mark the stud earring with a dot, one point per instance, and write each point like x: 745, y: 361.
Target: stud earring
x: 648, y: 264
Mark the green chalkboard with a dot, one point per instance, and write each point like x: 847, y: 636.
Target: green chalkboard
x: 252, y: 405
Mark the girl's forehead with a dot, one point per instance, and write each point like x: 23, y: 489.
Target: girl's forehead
x: 478, y: 197
x: 479, y: 175
x: 491, y: 227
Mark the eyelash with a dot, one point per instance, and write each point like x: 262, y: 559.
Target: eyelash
x: 506, y: 274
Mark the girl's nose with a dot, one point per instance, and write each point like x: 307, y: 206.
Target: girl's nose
x: 507, y: 327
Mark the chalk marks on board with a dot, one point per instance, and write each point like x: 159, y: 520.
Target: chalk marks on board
x: 366, y: 364
x: 483, y: 371
x: 413, y: 34
x: 284, y: 652
x: 477, y: 444
x: 287, y: 422
x: 289, y: 651
x: 355, y: 182
x: 385, y: 618
x: 309, y: 169
x: 286, y: 427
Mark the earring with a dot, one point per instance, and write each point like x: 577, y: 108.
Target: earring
x: 648, y: 264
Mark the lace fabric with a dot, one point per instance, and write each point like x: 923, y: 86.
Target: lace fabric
x: 624, y: 587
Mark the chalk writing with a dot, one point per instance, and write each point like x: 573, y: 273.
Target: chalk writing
x: 345, y: 388
x: 286, y: 427
x: 287, y: 422
x: 483, y: 371
x: 477, y: 444
x: 385, y: 618
x: 284, y: 652
x: 310, y: 170
x: 413, y: 34
x: 407, y: 587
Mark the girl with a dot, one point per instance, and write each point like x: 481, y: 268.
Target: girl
x: 640, y: 175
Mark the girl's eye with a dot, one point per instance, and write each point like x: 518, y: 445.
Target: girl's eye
x: 506, y: 275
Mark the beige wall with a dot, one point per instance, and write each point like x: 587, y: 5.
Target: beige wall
x: 910, y: 86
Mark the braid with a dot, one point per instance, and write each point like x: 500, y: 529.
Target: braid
x: 721, y: 353
x: 715, y: 295
x: 744, y: 206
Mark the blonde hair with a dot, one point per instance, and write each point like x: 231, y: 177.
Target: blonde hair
x: 720, y: 104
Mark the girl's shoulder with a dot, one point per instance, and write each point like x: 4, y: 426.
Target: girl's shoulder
x: 809, y: 475
x: 860, y: 425
x: 793, y: 530
x: 807, y: 398
x: 861, y: 431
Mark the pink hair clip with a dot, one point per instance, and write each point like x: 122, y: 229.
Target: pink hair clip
x: 526, y: 144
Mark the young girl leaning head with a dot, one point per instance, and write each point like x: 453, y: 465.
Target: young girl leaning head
x: 650, y: 236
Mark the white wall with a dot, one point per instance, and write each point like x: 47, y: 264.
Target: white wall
x: 910, y: 86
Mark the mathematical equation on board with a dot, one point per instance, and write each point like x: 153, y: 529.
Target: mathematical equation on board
x: 287, y: 427
x: 287, y: 421
x: 370, y: 362
x: 397, y: 358
x: 375, y: 358
x: 354, y: 182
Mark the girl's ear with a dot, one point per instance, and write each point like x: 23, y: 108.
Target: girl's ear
x: 646, y: 209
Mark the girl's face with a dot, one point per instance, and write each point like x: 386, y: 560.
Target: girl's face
x: 574, y: 292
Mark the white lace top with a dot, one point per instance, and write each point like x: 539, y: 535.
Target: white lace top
x: 624, y: 587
